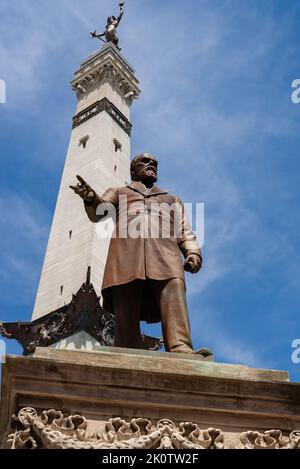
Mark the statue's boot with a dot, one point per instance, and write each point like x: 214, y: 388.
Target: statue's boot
x: 205, y: 352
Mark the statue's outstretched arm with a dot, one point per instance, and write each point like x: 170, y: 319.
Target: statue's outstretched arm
x: 94, y: 34
x: 121, y: 11
x: 92, y: 200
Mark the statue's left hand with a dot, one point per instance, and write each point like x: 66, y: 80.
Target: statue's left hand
x: 192, y: 263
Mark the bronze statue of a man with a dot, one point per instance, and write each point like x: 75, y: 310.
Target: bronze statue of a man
x: 144, y: 273
x: 111, y: 28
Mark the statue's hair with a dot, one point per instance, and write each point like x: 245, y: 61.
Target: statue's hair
x: 135, y: 160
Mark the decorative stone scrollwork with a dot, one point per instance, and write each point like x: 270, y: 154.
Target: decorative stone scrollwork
x: 272, y: 439
x: 84, y: 312
x: 52, y: 430
x: 107, y: 72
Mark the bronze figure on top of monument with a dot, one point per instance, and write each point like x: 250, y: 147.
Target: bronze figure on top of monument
x: 111, y: 28
x: 144, y: 274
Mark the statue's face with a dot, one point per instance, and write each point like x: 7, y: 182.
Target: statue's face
x: 111, y: 19
x: 145, y: 169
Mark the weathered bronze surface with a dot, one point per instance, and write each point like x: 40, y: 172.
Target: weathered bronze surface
x: 110, y: 33
x: 144, y: 277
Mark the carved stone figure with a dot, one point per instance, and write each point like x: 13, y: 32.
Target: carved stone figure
x: 144, y: 274
x: 111, y: 28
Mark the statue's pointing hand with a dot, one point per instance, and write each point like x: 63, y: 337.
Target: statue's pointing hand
x: 84, y: 190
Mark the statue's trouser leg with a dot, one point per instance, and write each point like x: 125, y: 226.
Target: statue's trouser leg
x: 171, y: 297
x: 126, y: 305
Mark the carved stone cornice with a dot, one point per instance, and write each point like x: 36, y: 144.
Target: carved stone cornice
x: 106, y: 65
x: 51, y: 429
x: 103, y: 105
x: 272, y: 439
x: 83, y: 313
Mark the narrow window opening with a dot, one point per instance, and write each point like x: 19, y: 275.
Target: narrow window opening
x: 118, y: 145
x: 61, y: 289
x: 70, y: 234
x: 83, y: 141
x: 115, y: 168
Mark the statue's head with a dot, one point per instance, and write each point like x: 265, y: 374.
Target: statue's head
x: 111, y: 19
x: 144, y: 168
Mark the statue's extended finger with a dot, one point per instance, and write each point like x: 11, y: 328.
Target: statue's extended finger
x: 82, y: 181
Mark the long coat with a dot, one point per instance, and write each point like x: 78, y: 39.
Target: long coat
x: 142, y: 255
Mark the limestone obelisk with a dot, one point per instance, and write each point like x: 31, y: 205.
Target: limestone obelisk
x: 99, y: 150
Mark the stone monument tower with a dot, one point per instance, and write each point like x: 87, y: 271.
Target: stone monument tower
x: 99, y: 149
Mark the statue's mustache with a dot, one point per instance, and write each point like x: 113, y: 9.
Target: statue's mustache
x: 150, y: 168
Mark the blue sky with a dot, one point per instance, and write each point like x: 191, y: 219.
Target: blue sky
x: 215, y: 108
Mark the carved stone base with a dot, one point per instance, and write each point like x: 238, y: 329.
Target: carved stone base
x: 123, y: 399
x: 51, y: 429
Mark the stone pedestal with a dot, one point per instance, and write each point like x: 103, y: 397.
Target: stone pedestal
x: 119, y: 398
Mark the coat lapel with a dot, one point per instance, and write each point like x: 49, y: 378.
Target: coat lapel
x: 139, y: 187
